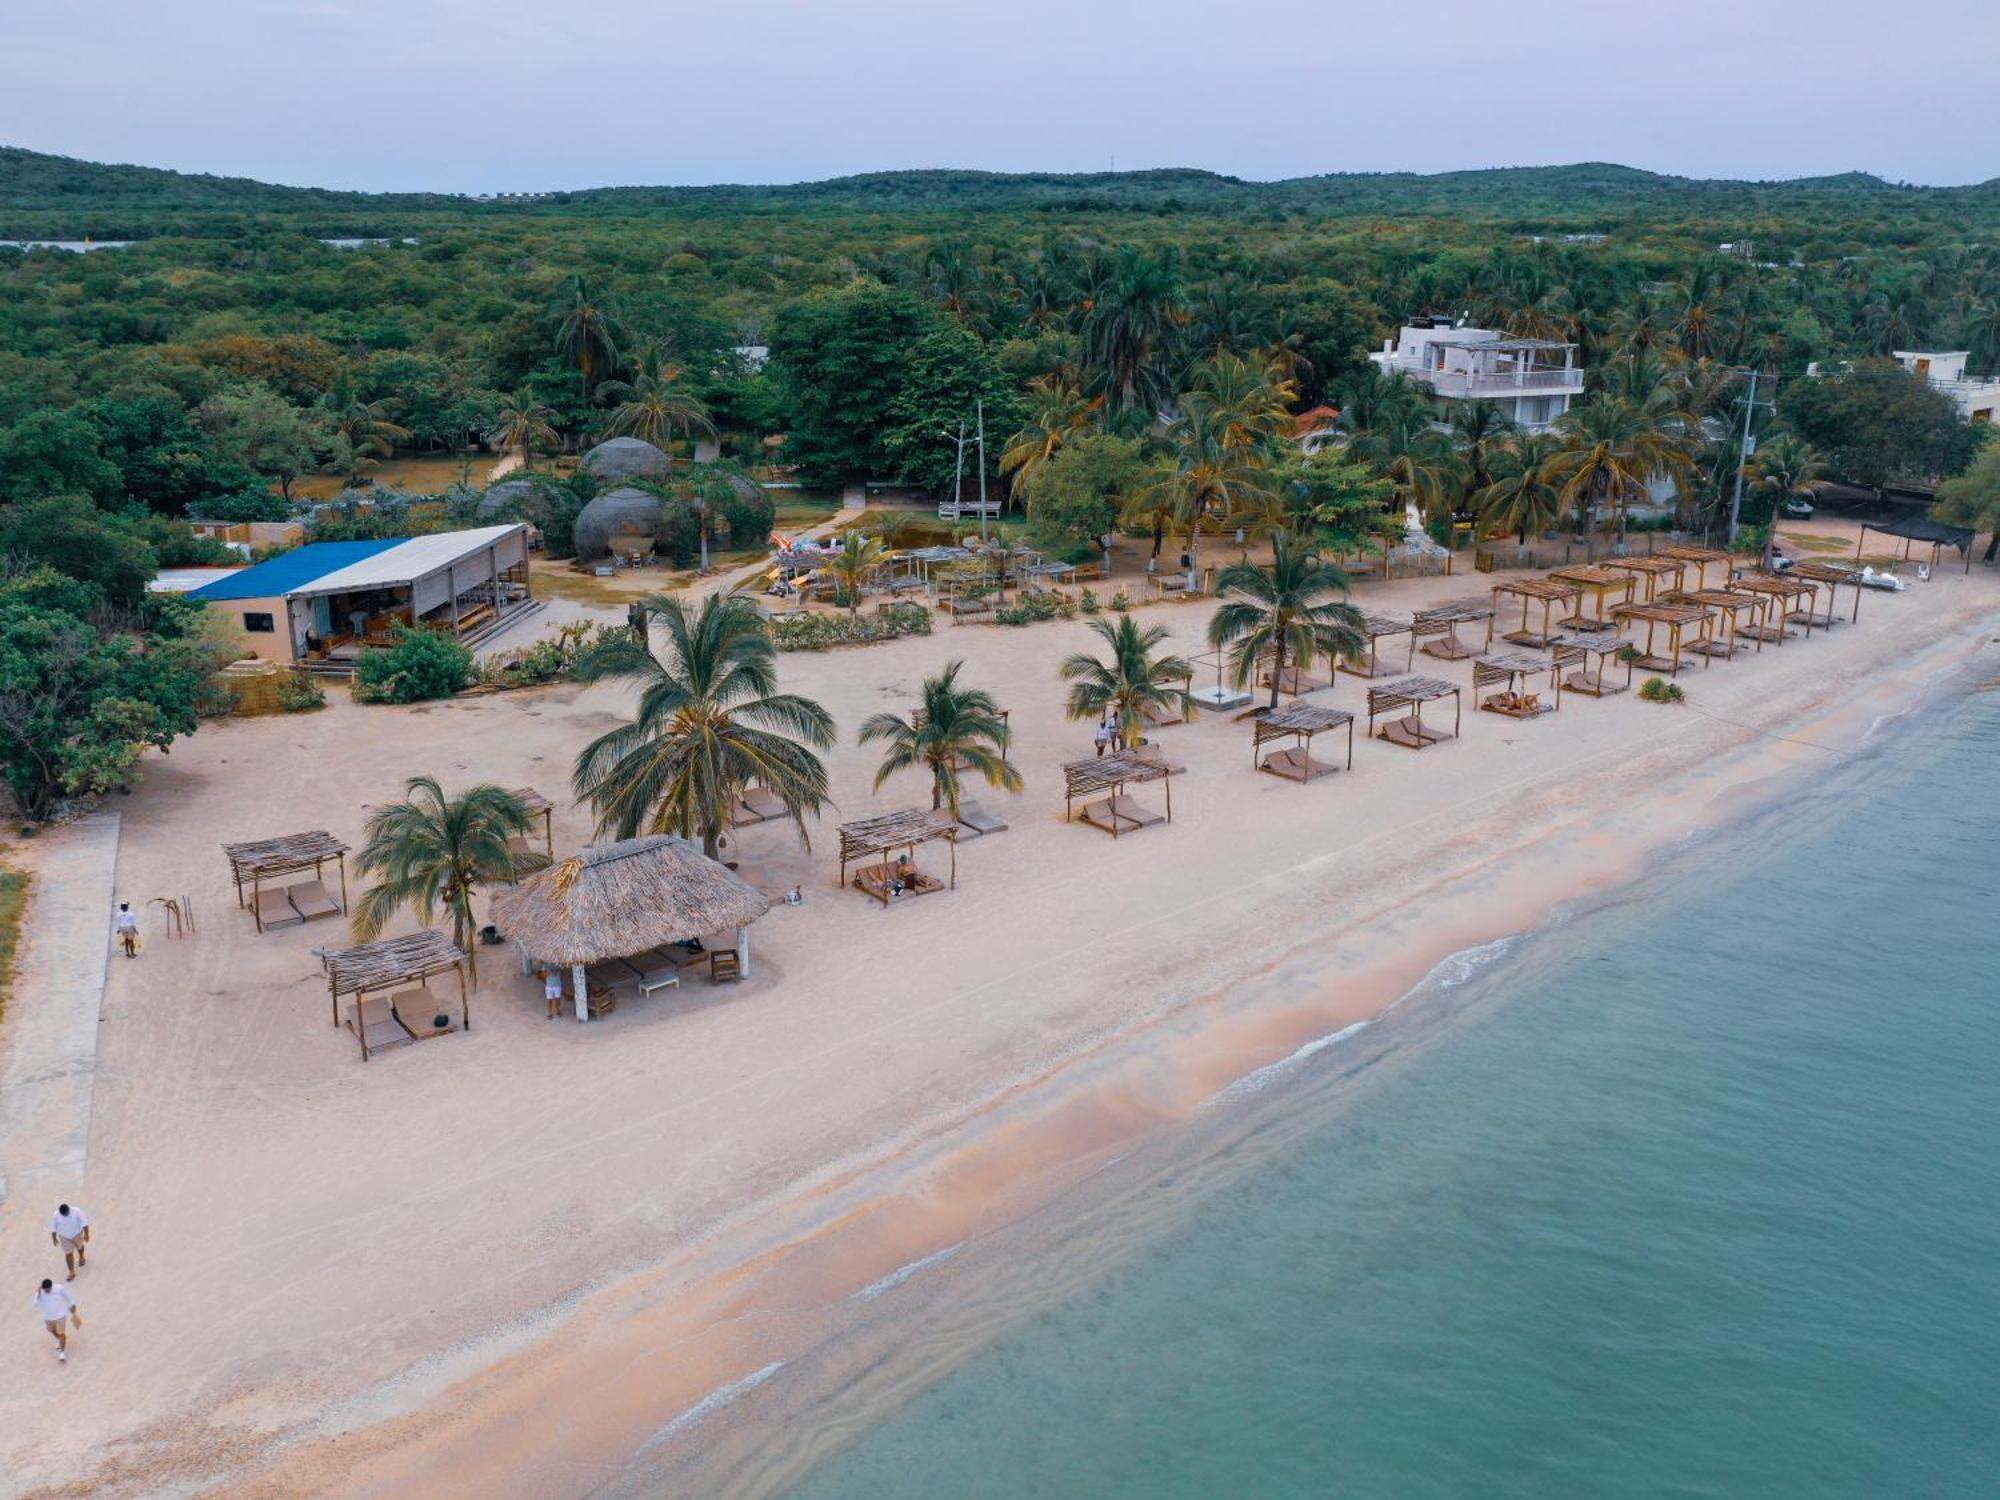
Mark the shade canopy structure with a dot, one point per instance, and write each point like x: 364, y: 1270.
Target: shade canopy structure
x: 535, y: 805
x: 1298, y: 722
x: 1600, y: 583
x: 1740, y: 615
x: 1678, y: 620
x: 624, y: 898
x: 1291, y: 679
x: 1512, y: 672
x: 1782, y: 595
x: 1437, y: 629
x: 1701, y: 559
x: 879, y: 837
x: 1549, y: 594
x: 1376, y: 628
x: 388, y: 964
x: 1654, y: 572
x: 290, y: 854
x: 1830, y: 576
x: 1582, y: 660
x: 1413, y: 693
x: 1109, y: 775
x: 1921, y: 531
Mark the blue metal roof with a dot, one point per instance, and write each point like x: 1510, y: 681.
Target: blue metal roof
x: 292, y: 570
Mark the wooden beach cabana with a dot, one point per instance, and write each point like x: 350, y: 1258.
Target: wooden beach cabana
x: 1831, y: 577
x: 1292, y: 680
x: 1298, y: 722
x: 1412, y: 693
x: 1701, y: 559
x: 536, y: 806
x: 636, y: 911
x: 1654, y: 573
x: 1532, y: 591
x: 1582, y: 661
x: 1511, y: 672
x: 389, y: 982
x: 1437, y: 629
x: 1741, y: 617
x: 1600, y: 583
x: 291, y: 854
x: 878, y: 838
x: 1678, y: 620
x: 1377, y: 628
x: 1783, y: 598
x: 1108, y: 776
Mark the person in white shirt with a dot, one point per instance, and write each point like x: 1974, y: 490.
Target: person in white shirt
x: 126, y: 925
x: 57, y: 1307
x: 1103, y: 737
x: 69, y: 1231
x: 552, y: 989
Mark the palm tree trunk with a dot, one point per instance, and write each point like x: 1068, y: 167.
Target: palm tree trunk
x: 1277, y: 670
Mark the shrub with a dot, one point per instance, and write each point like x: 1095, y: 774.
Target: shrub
x: 1033, y: 607
x: 1121, y: 601
x: 552, y: 659
x: 814, y: 632
x: 1089, y: 602
x: 423, y: 664
x: 299, y: 693
x: 1659, y: 690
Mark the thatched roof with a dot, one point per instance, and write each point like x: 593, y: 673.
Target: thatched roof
x: 518, y: 495
x: 624, y: 458
x: 281, y: 856
x: 625, y: 511
x: 1306, y: 719
x: 387, y: 962
x: 893, y: 831
x: 619, y: 899
x: 1409, y: 691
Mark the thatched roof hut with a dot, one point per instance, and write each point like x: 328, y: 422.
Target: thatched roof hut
x: 621, y: 459
x: 625, y: 511
x: 620, y: 900
x: 519, y: 496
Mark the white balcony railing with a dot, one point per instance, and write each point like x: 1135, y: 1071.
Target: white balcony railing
x: 1480, y: 384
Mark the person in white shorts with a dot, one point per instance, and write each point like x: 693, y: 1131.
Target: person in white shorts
x: 69, y: 1232
x: 57, y: 1308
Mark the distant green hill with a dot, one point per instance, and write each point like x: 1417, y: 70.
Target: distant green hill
x: 43, y: 195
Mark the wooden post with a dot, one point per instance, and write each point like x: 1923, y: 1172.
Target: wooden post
x: 1168, y: 783
x: 743, y: 951
x: 581, y: 986
x: 343, y: 885
x: 464, y: 1002
x: 1350, y: 742
x: 256, y: 902
x: 333, y: 994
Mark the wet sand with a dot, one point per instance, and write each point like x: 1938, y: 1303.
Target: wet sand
x: 510, y: 1261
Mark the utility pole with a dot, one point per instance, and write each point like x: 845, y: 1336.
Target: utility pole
x: 1742, y: 458
x: 958, y: 473
x: 980, y: 408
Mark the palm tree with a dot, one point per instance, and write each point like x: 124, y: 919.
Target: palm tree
x: 955, y: 728
x: 1785, y: 468
x: 652, y: 406
x: 586, y: 333
x: 1132, y: 681
x: 1057, y: 411
x: 1525, y: 493
x: 525, y: 423
x: 1477, y: 428
x: 1408, y: 449
x: 433, y: 851
x: 1293, y: 606
x: 710, y: 721
x: 1613, y: 447
x: 367, y: 428
x: 1133, y: 315
x: 1245, y: 402
x: 857, y: 561
x: 1205, y: 475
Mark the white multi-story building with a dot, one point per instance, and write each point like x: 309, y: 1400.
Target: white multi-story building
x: 1978, y: 396
x: 1532, y: 380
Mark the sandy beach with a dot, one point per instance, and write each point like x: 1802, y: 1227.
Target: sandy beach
x: 518, y: 1260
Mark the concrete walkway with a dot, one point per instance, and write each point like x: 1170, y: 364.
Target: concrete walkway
x: 48, y: 1054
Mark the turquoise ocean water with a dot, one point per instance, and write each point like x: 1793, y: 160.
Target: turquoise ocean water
x: 1697, y: 1194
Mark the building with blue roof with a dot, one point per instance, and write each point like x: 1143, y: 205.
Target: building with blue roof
x: 319, y: 605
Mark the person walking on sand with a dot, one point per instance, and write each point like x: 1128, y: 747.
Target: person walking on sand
x: 1103, y: 737
x: 58, y: 1308
x: 69, y: 1231
x: 126, y: 925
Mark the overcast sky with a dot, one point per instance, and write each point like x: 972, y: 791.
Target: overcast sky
x: 481, y: 95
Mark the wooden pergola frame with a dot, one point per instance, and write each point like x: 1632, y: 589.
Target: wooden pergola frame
x: 1577, y: 651
x: 1831, y: 576
x: 1510, y: 667
x: 1532, y: 591
x: 1438, y: 629
x: 1413, y: 693
x: 290, y: 854
x: 1301, y: 721
x: 386, y: 963
x: 886, y: 834
x: 1110, y: 774
x: 537, y: 806
x: 1376, y: 628
x: 1700, y: 559
x: 1598, y: 582
x: 1654, y: 570
x: 1677, y: 618
x: 1729, y: 606
x: 1781, y: 594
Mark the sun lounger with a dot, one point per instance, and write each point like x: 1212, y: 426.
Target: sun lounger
x: 1295, y: 765
x: 310, y: 900
x: 1153, y: 755
x: 273, y: 910
x: 1133, y: 812
x: 742, y: 813
x: 971, y: 815
x: 1103, y: 815
x: 1516, y: 705
x: 878, y: 881
x: 653, y: 971
x: 1448, y: 648
x: 1591, y: 683
x: 1161, y: 718
x: 762, y: 801
x: 1412, y: 733
x: 418, y: 1010
x: 1294, y: 682
x: 374, y: 1021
